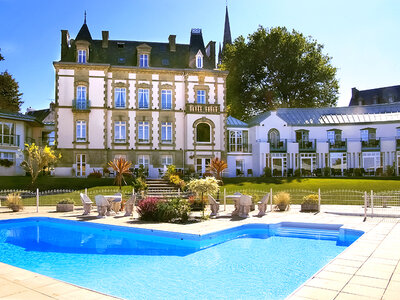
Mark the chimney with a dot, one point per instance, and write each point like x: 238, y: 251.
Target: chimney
x: 64, y: 43
x: 104, y: 42
x: 210, y: 52
x: 172, y: 42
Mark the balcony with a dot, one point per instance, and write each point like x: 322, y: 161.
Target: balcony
x: 371, y: 145
x: 338, y: 146
x: 193, y: 108
x: 81, y: 105
x: 280, y: 146
x: 243, y: 148
x: 9, y: 140
x: 307, y: 146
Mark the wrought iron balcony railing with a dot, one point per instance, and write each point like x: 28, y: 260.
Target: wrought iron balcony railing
x: 278, y: 146
x: 371, y: 145
x: 338, y: 146
x: 307, y: 146
x: 80, y: 105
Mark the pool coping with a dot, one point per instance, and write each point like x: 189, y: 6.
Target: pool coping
x: 369, y: 267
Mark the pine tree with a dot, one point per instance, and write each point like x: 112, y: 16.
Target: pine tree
x: 10, y: 97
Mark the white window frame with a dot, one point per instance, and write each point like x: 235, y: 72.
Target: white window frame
x: 166, y: 132
x: 81, y: 97
x: 144, y: 61
x: 81, y: 129
x: 7, y: 155
x: 199, y: 60
x: 143, y: 102
x: 201, y: 97
x: 120, y: 97
x: 235, y: 140
x: 143, y: 132
x: 120, y: 132
x: 375, y: 156
x: 166, y: 99
x: 166, y: 160
x: 82, y: 56
x: 144, y: 160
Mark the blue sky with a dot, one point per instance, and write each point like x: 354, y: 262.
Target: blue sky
x: 362, y: 37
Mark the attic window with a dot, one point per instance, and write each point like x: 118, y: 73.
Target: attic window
x: 165, y: 62
x: 121, y: 60
x: 199, y: 60
x: 120, y: 45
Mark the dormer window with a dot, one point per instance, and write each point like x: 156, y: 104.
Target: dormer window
x: 199, y: 60
x: 82, y: 56
x: 121, y: 45
x: 144, y: 61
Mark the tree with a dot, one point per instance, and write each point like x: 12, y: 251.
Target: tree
x: 208, y: 185
x: 37, y: 158
x: 277, y: 68
x: 121, y: 167
x: 217, y: 166
x: 10, y: 97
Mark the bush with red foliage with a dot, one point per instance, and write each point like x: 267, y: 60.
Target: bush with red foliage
x: 147, y: 208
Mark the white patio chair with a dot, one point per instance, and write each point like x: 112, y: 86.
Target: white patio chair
x: 102, y: 205
x: 129, y: 205
x: 87, y: 204
x: 245, y: 203
x: 214, y: 206
x: 262, y: 205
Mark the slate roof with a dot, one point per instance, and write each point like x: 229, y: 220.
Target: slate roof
x: 233, y: 122
x: 18, y: 116
x: 39, y: 115
x: 124, y: 53
x: 258, y: 119
x: 375, y: 96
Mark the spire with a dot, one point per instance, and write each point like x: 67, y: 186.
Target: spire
x: 84, y: 21
x: 84, y: 34
x: 219, y: 55
x: 227, y: 30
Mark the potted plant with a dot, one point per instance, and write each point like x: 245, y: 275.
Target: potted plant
x: 310, y: 203
x: 282, y: 201
x: 65, y: 205
x: 14, y: 202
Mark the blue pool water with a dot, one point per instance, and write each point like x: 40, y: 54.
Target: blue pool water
x: 248, y: 262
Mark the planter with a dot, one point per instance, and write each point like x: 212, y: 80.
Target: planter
x: 282, y: 207
x: 65, y: 207
x: 305, y: 207
x: 15, y: 208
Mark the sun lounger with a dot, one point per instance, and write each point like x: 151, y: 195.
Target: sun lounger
x: 214, y: 206
x: 129, y: 205
x: 262, y: 205
x: 87, y: 204
x: 102, y: 205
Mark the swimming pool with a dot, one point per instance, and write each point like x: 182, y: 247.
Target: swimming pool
x: 250, y: 261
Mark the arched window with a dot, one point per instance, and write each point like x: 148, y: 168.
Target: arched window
x: 273, y: 136
x: 203, y: 133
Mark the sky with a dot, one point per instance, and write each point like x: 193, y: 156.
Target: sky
x: 362, y: 37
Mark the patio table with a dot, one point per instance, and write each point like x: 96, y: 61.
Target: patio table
x: 112, y: 200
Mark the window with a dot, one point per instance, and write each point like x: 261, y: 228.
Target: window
x: 81, y: 131
x: 203, y: 133
x: 82, y: 56
x: 144, y: 60
x: 144, y: 160
x: 201, y: 97
x: 7, y: 136
x: 334, y: 136
x: 120, y: 132
x: 368, y: 134
x: 235, y: 141
x: 166, y: 99
x: 7, y: 155
x: 301, y: 136
x: 199, y: 60
x: 273, y: 137
x: 371, y: 161
x: 51, y: 138
x: 120, y: 96
x: 144, y: 132
x: 143, y: 98
x: 338, y: 162
x: 80, y: 165
x: 166, y: 132
x: 81, y: 97
x: 166, y: 160
x: 398, y: 132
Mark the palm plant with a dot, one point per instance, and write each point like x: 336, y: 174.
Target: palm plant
x: 217, y: 166
x: 121, y: 168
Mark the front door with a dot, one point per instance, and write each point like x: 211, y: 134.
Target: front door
x: 80, y: 165
x: 202, y: 164
x: 306, y: 165
x: 277, y: 166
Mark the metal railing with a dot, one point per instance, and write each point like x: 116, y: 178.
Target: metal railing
x: 81, y: 105
x: 307, y: 146
x: 279, y: 146
x: 371, y: 145
x: 339, y: 146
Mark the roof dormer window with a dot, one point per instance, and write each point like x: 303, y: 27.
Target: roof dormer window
x: 144, y: 61
x: 82, y: 56
x: 199, y: 60
x: 121, y: 45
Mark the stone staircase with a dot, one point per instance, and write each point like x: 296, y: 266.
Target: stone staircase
x: 162, y: 188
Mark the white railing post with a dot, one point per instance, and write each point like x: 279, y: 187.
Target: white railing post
x: 133, y: 191
x: 365, y: 205
x: 224, y: 199
x: 86, y: 191
x: 372, y: 203
x: 270, y: 194
x: 37, y: 200
x: 319, y: 199
x: 179, y: 192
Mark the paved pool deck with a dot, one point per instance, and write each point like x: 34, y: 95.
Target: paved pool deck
x: 368, y: 269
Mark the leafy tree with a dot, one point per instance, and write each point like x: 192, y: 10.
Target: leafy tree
x: 37, y: 158
x: 10, y: 97
x: 208, y: 185
x: 121, y: 168
x: 277, y: 68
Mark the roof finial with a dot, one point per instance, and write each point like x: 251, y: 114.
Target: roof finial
x: 84, y: 21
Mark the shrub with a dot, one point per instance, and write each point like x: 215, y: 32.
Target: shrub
x: 14, y: 202
x: 297, y: 173
x: 267, y: 172
x: 139, y: 184
x: 95, y: 174
x: 147, y: 208
x: 358, y: 172
x: 6, y: 163
x: 175, y: 179
x: 390, y: 170
x: 282, y: 198
x: 197, y: 204
x: 310, y: 199
x: 326, y: 171
x: 66, y: 201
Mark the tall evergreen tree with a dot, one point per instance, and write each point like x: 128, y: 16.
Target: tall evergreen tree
x: 277, y: 68
x: 10, y: 97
